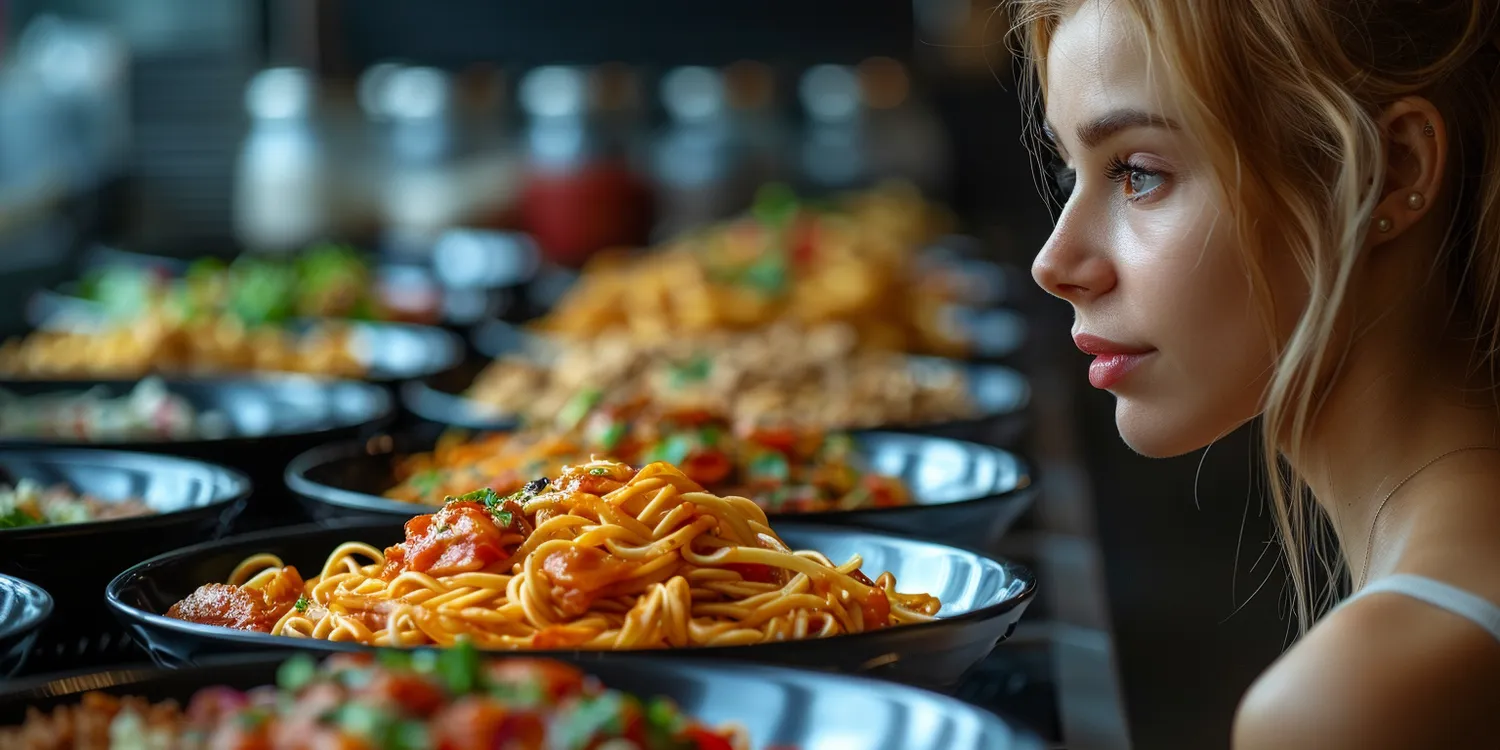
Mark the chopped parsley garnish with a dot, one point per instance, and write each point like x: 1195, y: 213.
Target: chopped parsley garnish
x: 486, y: 496
x: 709, y: 436
x: 302, y: 604
x: 598, y: 471
x: 503, y: 518
x: 428, y: 481
x: 17, y: 519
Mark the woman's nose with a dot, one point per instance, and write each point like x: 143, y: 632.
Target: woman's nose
x: 1068, y: 268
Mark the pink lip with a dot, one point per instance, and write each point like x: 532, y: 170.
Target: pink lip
x: 1112, y: 361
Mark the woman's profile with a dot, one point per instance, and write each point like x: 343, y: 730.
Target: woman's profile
x: 1290, y: 210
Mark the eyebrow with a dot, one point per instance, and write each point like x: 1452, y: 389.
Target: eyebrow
x: 1096, y: 131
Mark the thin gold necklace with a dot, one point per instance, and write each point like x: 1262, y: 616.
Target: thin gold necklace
x: 1375, y: 522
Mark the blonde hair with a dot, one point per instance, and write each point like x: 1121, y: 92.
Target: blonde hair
x: 1305, y: 82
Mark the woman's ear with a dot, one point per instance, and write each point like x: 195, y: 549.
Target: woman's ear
x: 1416, y: 149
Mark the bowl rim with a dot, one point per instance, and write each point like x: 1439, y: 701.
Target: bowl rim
x: 1017, y: 593
x: 238, y: 488
x: 121, y: 678
x: 384, y: 407
x: 42, y: 606
x: 295, y: 477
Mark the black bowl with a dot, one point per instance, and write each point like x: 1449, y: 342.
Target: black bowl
x: 24, y: 608
x: 983, y: 598
x: 1002, y: 397
x: 272, y: 418
x: 193, y: 500
x: 964, y: 493
x: 778, y: 707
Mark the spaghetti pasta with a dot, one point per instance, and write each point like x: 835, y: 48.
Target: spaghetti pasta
x: 852, y: 262
x: 604, y: 557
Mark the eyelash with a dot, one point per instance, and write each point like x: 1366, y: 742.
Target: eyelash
x: 1120, y: 171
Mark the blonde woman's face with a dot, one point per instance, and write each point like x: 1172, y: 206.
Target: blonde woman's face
x: 1159, y: 294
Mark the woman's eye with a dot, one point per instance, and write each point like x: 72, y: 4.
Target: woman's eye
x: 1135, y: 182
x: 1139, y: 182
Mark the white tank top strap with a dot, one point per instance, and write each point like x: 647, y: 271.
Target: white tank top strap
x: 1480, y: 611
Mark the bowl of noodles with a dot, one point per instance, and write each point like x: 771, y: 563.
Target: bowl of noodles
x: 459, y: 698
x: 602, y: 558
x: 781, y: 376
x: 935, y: 488
x: 24, y: 609
x: 70, y: 518
x: 856, y: 260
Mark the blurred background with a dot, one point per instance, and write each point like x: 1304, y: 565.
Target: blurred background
x: 215, y: 127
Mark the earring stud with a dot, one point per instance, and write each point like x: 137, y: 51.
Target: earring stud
x: 1428, y: 130
x: 1383, y: 225
x: 1415, y: 201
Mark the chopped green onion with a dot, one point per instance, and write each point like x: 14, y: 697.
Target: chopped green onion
x: 593, y: 719
x: 612, y: 435
x: 407, y: 735
x: 770, y: 465
x: 775, y: 204
x: 458, y: 667
x: 578, y: 407
x: 522, y: 694
x: 295, y: 673
x: 302, y: 604
x: 766, y: 275
x: 391, y: 658
x: 673, y: 450
x: 363, y: 719
x: 694, y: 370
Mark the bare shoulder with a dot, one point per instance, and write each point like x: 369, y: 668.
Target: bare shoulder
x: 1385, y: 672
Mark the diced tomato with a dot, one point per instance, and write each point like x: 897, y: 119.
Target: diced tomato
x: 416, y: 695
x: 804, y: 242
x: 877, y: 610
x: 460, y: 538
x: 474, y: 723
x: 558, y: 680
x: 708, y: 468
x: 783, y: 439
x: 704, y: 739
x: 579, y: 573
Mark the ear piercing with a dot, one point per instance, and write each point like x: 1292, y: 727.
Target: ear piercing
x: 1414, y: 201
x: 1428, y: 130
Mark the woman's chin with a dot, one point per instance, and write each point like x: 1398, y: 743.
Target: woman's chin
x: 1155, y: 434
